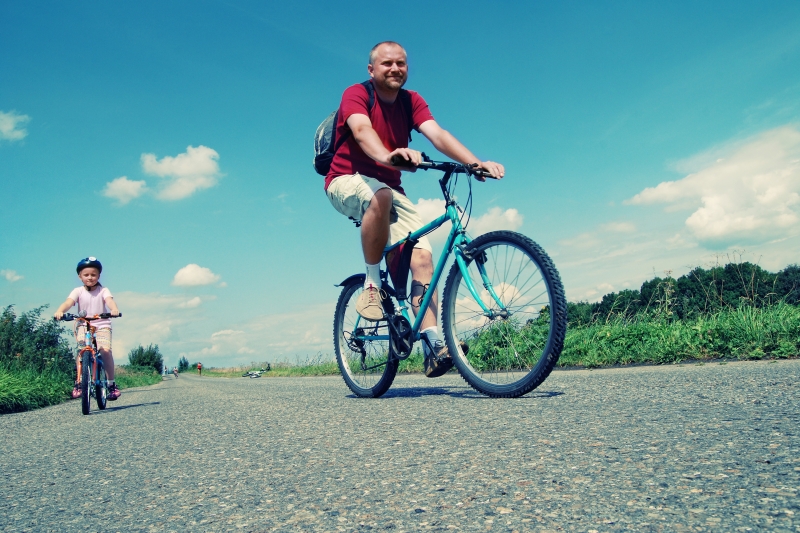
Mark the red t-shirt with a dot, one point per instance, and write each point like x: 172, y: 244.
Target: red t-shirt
x: 389, y: 122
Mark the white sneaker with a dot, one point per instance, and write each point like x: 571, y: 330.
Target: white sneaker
x: 369, y: 304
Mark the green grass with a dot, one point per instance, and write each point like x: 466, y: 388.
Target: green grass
x: 128, y: 376
x: 26, y: 389
x: 21, y: 390
x: 743, y: 333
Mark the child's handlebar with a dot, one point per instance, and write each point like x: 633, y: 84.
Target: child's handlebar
x: 444, y: 166
x: 69, y: 317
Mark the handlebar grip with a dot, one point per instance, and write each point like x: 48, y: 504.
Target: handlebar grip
x: 66, y: 317
x: 400, y: 161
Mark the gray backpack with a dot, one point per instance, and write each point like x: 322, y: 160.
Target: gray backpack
x: 325, y: 141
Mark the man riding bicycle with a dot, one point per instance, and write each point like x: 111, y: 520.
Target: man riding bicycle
x: 363, y: 185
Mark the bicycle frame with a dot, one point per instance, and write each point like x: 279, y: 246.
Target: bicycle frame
x: 456, y: 242
x: 96, y: 358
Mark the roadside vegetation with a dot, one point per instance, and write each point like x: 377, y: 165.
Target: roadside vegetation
x: 735, y: 311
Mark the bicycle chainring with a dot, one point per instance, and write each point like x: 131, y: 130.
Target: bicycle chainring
x: 400, y: 333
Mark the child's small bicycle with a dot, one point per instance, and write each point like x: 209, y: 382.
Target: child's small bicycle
x: 504, y: 314
x: 91, y: 364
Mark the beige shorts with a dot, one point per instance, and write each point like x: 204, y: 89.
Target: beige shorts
x: 103, y: 336
x: 352, y: 193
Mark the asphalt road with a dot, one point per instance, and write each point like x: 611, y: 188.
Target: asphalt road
x: 709, y: 447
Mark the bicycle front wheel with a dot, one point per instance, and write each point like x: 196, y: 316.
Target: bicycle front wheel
x: 86, y: 383
x: 366, y: 365
x: 101, y: 388
x: 511, y: 352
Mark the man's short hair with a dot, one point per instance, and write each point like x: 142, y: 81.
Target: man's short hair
x: 375, y: 49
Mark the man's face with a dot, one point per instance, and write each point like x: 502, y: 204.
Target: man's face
x: 389, y: 68
x: 89, y: 276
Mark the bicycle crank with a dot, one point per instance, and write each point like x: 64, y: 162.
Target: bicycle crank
x: 400, y: 335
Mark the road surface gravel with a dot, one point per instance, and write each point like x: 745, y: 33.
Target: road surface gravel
x: 710, y: 447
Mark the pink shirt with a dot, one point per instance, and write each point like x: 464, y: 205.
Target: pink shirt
x: 93, y: 302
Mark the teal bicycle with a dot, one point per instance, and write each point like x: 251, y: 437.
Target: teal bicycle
x: 504, y: 314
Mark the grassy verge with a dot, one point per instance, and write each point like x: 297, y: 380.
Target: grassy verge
x: 744, y: 333
x: 128, y: 376
x: 22, y: 390
x: 26, y: 389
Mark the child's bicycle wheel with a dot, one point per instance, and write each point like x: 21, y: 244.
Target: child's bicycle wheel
x: 513, y: 352
x: 101, y: 389
x: 86, y: 383
x: 366, y: 365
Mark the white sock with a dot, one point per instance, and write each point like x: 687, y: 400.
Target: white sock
x: 373, y: 276
x: 432, y: 333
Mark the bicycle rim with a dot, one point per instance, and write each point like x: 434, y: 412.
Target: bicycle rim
x: 86, y: 378
x: 366, y: 365
x: 512, y: 353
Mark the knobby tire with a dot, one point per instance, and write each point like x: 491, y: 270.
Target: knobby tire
x: 367, y: 367
x: 86, y: 378
x: 506, y: 356
x: 101, y: 390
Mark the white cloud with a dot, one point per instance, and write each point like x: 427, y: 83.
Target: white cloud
x: 193, y: 275
x: 152, y: 318
x: 10, y: 275
x: 226, y: 333
x: 184, y: 174
x: 494, y: 219
x: 190, y: 304
x: 619, y: 227
x: 11, y: 126
x: 751, y: 194
x: 124, y: 190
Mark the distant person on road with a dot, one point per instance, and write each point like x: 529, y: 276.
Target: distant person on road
x: 199, y: 369
x: 362, y: 183
x: 175, y: 371
x: 95, y: 299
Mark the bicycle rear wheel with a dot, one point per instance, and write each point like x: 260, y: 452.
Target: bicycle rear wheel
x: 366, y: 365
x: 101, y: 388
x: 513, y: 352
x: 86, y: 380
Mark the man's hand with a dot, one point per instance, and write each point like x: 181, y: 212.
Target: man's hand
x: 412, y: 157
x: 496, y: 170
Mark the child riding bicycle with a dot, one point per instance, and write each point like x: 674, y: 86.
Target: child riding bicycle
x: 95, y: 299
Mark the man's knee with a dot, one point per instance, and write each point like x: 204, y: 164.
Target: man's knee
x: 421, y: 262
x: 382, y: 199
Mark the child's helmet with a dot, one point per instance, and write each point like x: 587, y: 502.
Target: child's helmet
x: 89, y: 262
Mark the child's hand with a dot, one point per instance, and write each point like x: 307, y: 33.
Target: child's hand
x: 58, y: 315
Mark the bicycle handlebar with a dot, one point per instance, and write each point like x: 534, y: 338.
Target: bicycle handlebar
x: 444, y: 166
x: 69, y: 317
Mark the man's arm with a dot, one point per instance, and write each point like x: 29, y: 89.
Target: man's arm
x: 444, y: 141
x: 371, y: 144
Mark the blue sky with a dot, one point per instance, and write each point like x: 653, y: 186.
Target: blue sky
x: 174, y: 142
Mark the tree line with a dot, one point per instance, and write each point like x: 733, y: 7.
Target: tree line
x: 700, y: 292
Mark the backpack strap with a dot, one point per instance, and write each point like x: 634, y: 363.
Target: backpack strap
x: 405, y: 101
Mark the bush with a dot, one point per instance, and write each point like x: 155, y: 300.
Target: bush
x: 29, y: 342
x: 183, y: 365
x: 147, y: 357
